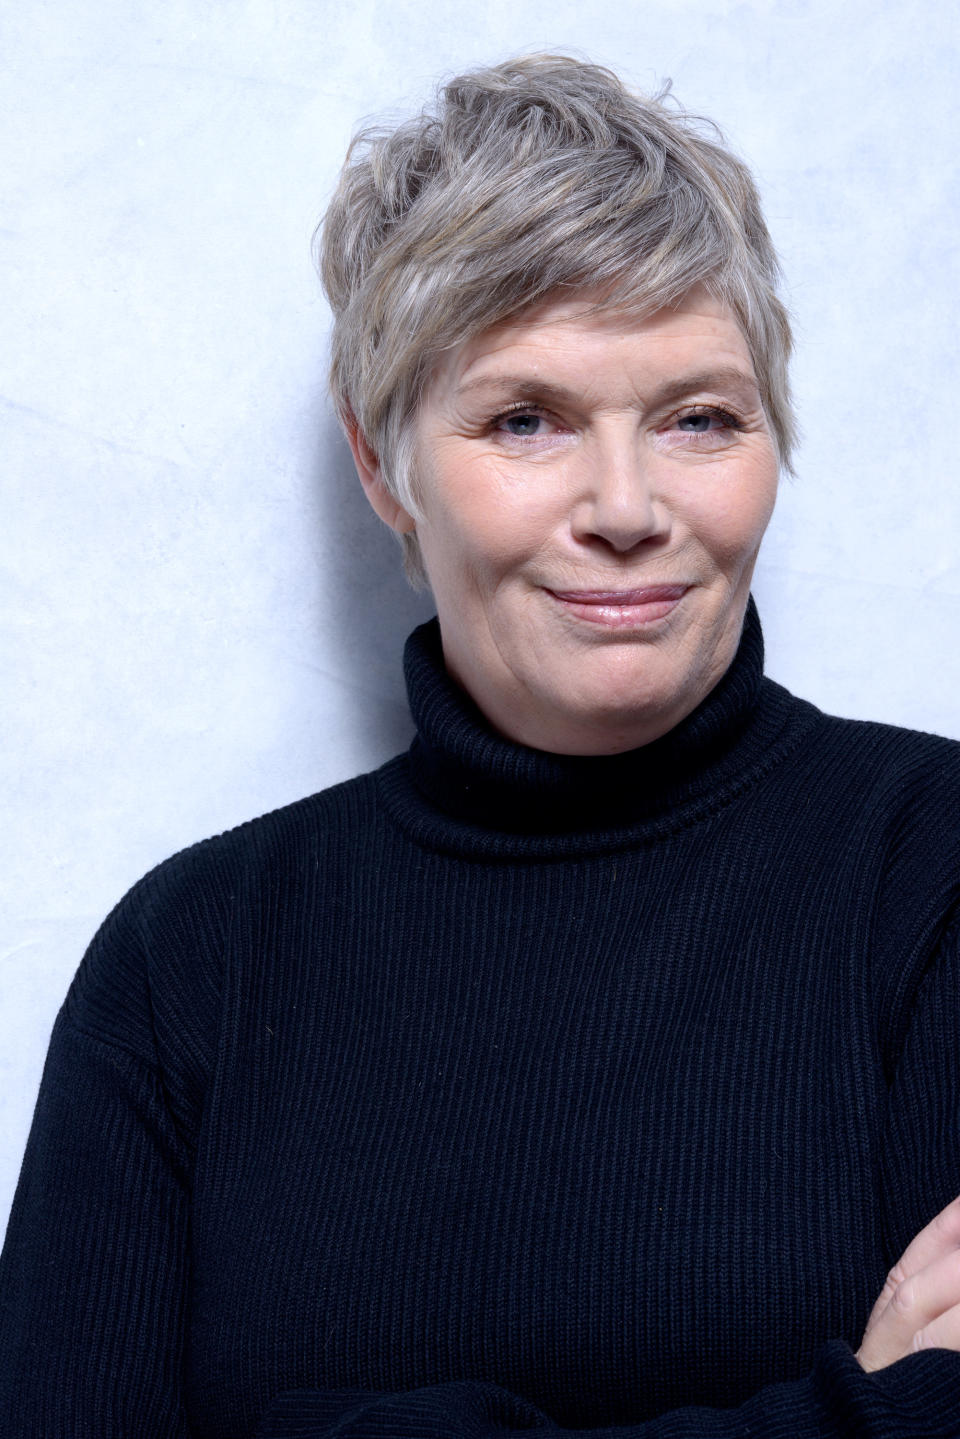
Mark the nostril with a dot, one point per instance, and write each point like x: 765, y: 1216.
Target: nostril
x: 622, y: 521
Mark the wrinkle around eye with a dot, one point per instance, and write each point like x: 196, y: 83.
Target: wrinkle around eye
x: 727, y: 430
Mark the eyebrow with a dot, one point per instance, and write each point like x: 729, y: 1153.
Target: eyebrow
x: 719, y: 377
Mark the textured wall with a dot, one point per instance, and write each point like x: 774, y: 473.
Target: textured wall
x: 199, y: 620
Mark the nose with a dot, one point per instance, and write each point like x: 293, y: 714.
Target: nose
x: 617, y: 500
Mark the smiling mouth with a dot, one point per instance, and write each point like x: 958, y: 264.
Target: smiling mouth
x: 622, y: 609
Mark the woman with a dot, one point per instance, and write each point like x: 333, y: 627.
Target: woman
x: 590, y: 1065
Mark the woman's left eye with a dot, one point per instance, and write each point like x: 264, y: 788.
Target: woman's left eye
x: 704, y: 422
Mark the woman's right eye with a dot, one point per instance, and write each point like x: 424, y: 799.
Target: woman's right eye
x: 524, y: 426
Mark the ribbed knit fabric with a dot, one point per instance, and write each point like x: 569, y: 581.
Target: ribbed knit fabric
x: 498, y: 1091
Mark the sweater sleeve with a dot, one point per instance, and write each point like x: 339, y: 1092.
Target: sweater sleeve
x: 918, y: 1396
x: 93, y: 1275
x: 92, y: 1280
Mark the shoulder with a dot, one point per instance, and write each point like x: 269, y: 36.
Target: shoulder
x: 882, y: 800
x: 270, y: 843
x: 155, y: 966
x: 905, y: 781
x: 204, y: 877
x: 887, y: 769
x: 893, y: 745
x: 891, y: 795
x: 887, y: 786
x: 872, y: 812
x: 891, y: 790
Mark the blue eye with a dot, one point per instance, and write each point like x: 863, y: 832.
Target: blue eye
x: 523, y: 425
x: 707, y: 422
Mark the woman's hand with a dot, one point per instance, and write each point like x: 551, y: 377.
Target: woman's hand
x: 919, y: 1305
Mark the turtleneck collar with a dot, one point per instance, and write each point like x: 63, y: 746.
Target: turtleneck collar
x: 479, y: 786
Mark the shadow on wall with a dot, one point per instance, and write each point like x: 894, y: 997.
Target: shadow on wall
x: 366, y: 606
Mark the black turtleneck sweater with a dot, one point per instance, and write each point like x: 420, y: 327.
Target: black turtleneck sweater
x: 498, y: 1091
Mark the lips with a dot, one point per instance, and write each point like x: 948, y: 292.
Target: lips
x: 648, y: 594
x: 622, y: 609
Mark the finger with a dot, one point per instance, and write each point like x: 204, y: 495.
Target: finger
x: 939, y: 1237
x: 916, y: 1304
x: 941, y: 1333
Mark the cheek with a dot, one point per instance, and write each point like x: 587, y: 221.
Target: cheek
x: 734, y: 527
x: 475, y: 559
x: 762, y: 503
x: 480, y: 525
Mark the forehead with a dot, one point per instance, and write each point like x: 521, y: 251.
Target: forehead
x: 564, y: 336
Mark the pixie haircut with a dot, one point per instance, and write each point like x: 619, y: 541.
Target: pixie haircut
x: 539, y: 176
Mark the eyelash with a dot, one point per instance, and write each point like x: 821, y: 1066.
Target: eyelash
x: 716, y: 412
x: 518, y: 409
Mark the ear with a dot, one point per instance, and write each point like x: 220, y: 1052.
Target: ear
x: 368, y: 468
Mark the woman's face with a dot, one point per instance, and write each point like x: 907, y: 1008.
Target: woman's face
x: 594, y: 491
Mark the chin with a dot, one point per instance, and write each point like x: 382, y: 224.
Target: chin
x: 624, y: 692
x: 599, y: 723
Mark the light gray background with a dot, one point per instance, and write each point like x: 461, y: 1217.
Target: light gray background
x: 199, y: 620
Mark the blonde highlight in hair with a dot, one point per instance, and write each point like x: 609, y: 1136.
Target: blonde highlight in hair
x: 539, y: 176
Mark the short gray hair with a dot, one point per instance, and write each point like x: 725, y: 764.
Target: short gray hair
x: 541, y: 175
